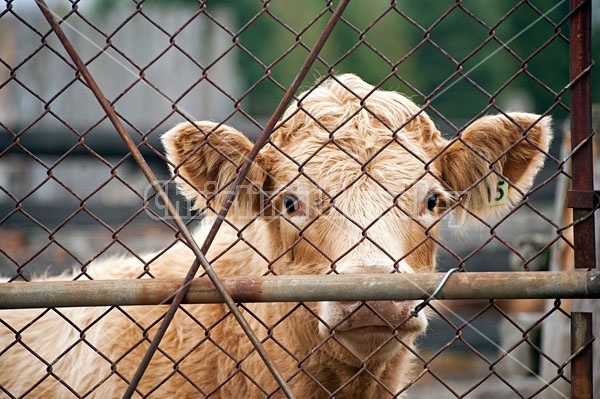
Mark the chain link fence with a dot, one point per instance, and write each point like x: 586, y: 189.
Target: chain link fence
x: 344, y: 247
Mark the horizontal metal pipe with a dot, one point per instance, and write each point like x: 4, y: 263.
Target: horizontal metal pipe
x: 372, y: 287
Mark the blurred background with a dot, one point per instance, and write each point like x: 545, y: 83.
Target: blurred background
x: 70, y: 193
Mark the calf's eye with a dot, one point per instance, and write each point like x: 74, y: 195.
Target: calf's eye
x: 432, y: 201
x: 291, y: 203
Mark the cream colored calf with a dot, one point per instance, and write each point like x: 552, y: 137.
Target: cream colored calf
x: 353, y: 181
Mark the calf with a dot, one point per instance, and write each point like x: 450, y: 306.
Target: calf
x: 354, y: 180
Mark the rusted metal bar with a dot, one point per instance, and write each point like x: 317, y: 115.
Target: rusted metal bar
x: 580, y: 49
x: 582, y: 356
x: 372, y: 287
x: 582, y: 197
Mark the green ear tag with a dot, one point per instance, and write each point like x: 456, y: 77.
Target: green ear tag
x: 499, y: 196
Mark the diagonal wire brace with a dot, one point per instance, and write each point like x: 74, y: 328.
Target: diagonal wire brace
x: 198, y: 252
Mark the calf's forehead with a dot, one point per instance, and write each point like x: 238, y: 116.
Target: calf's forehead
x: 345, y: 130
x: 338, y: 165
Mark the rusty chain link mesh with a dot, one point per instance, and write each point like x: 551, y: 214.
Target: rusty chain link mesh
x: 70, y: 193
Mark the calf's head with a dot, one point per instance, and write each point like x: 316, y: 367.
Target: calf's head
x: 355, y: 180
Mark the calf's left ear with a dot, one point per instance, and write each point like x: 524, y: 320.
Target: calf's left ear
x: 205, y: 158
x: 493, y: 163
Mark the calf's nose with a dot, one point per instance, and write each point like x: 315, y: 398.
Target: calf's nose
x: 359, y: 314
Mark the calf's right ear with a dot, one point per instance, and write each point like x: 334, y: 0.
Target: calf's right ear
x: 493, y: 163
x: 205, y: 157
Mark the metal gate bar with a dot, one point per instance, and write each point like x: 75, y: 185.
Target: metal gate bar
x: 472, y: 285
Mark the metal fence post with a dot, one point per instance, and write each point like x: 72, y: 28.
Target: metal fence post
x: 582, y: 194
x: 582, y: 353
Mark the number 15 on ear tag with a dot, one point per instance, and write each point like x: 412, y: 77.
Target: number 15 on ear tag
x: 499, y: 196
